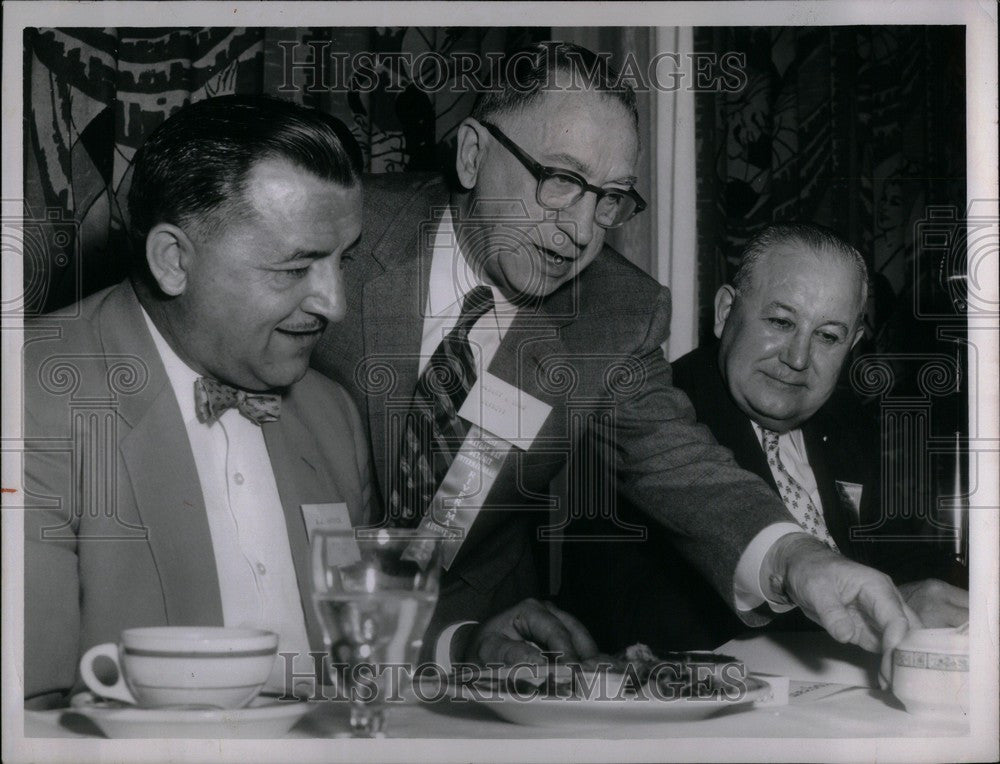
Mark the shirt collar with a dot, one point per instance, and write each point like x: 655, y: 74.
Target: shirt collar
x: 452, y: 277
x: 182, y: 377
x: 792, y: 437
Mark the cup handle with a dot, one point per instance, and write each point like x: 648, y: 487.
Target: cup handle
x: 117, y: 691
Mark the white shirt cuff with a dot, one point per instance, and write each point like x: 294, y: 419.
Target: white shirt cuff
x: 746, y: 582
x: 442, y: 650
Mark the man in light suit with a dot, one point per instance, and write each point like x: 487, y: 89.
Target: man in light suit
x: 179, y: 448
x: 785, y: 326
x: 508, y: 275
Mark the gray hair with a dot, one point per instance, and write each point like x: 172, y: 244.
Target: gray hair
x: 528, y: 72
x: 821, y: 240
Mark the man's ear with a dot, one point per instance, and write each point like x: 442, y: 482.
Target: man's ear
x: 723, y: 304
x: 471, y: 142
x: 168, y: 253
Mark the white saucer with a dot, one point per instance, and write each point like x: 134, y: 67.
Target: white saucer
x: 265, y: 717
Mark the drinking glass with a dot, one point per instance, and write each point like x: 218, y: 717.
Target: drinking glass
x: 374, y: 591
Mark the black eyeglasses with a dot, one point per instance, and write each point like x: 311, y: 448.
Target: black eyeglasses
x: 558, y: 188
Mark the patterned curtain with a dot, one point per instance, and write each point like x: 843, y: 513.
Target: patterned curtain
x: 93, y: 95
x: 861, y: 129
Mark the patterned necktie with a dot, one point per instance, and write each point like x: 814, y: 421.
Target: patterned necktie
x: 213, y: 398
x: 796, y: 498
x: 432, y: 431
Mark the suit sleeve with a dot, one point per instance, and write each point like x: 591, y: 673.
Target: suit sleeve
x: 672, y: 469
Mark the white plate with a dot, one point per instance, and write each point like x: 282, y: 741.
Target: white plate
x: 549, y: 711
x: 264, y: 718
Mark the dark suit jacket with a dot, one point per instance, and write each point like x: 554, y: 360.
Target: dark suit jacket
x: 674, y: 609
x: 116, y: 534
x: 592, y: 351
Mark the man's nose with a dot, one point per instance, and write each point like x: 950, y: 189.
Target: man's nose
x: 577, y: 220
x: 326, y: 290
x: 795, y: 352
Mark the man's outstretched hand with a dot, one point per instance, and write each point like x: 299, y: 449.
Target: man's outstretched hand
x: 854, y: 603
x: 937, y: 604
x: 521, y: 633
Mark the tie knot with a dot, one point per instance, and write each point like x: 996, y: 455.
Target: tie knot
x: 770, y: 439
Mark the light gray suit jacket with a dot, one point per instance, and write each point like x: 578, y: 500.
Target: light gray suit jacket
x: 592, y: 351
x: 116, y: 533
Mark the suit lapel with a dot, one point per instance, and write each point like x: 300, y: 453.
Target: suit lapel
x: 532, y: 340
x: 167, y: 492
x: 393, y: 321
x: 838, y: 521
x: 300, y: 480
x: 731, y: 427
x: 750, y: 455
x: 392, y: 317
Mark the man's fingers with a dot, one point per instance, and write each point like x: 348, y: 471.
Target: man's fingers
x: 943, y: 615
x: 958, y: 598
x: 583, y: 643
x: 537, y: 624
x: 832, y: 615
x: 496, y: 648
x: 891, y: 616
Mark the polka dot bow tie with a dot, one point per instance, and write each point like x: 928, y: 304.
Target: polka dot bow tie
x: 213, y: 398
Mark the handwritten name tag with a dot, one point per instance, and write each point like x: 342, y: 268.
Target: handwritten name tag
x: 340, y: 550
x: 327, y: 517
x: 505, y: 411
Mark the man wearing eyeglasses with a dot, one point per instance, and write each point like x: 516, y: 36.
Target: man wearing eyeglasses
x: 493, y: 338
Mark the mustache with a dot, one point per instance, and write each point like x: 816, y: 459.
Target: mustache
x: 304, y: 328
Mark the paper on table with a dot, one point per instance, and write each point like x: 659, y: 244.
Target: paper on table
x: 806, y: 657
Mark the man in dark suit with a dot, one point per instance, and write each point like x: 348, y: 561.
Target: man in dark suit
x: 503, y: 293
x: 179, y: 447
x: 768, y: 393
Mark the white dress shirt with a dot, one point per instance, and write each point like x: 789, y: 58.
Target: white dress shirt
x: 253, y: 559
x: 451, y: 278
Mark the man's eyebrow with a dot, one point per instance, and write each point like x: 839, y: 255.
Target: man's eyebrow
x: 782, y: 306
x: 307, y: 254
x: 586, y: 170
x: 840, y: 324
x: 303, y: 254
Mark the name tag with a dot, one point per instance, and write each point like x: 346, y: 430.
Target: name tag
x: 332, y: 517
x: 499, y: 408
x: 339, y: 551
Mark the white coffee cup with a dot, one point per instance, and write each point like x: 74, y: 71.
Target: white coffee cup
x: 165, y: 666
x: 930, y: 672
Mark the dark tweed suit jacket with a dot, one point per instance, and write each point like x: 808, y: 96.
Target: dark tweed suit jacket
x: 592, y: 351
x: 674, y: 609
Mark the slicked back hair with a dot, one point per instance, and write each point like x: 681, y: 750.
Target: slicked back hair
x: 818, y: 239
x: 550, y: 66
x: 193, y: 169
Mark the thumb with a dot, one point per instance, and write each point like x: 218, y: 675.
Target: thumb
x: 832, y: 615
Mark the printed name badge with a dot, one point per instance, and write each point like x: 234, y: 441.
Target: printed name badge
x: 332, y: 517
x: 503, y: 410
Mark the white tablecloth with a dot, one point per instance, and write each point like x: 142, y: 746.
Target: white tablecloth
x: 851, y: 712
